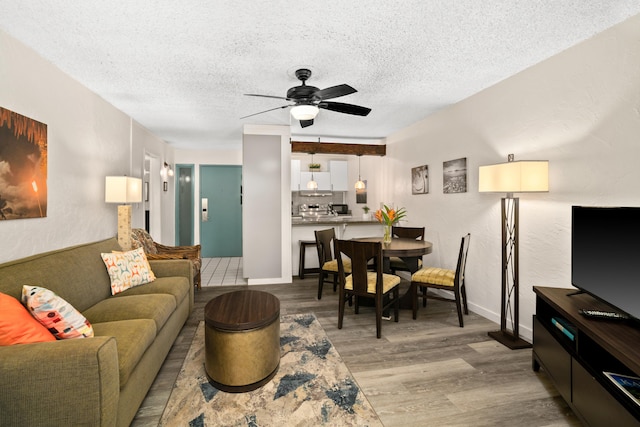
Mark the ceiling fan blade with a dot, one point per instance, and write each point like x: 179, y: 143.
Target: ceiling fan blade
x: 334, y: 92
x: 265, y: 96
x: 306, y: 123
x: 341, y: 107
x: 266, y: 111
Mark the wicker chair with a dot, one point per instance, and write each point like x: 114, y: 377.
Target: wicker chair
x: 154, y: 250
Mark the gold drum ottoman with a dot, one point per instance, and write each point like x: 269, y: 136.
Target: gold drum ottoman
x: 242, y: 340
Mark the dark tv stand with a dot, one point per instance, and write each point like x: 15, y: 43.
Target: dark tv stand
x: 575, y: 366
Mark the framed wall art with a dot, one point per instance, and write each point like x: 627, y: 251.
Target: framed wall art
x: 420, y: 180
x: 454, y: 178
x: 361, y: 194
x: 23, y: 167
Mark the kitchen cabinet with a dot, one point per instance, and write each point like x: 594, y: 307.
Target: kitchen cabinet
x: 322, y: 178
x: 339, y: 175
x: 337, y: 179
x: 295, y: 175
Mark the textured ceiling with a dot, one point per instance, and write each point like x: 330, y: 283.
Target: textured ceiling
x: 181, y: 68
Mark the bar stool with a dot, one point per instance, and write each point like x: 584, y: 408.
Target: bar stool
x: 301, y: 269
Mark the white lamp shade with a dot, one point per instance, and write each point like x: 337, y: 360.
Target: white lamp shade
x: 122, y: 189
x: 312, y: 185
x: 360, y: 185
x: 304, y: 112
x: 515, y: 177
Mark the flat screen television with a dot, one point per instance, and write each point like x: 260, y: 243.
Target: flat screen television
x: 605, y: 255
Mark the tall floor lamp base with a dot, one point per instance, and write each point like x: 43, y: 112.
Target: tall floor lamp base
x: 508, y: 340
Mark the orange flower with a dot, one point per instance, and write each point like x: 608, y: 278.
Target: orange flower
x: 390, y: 216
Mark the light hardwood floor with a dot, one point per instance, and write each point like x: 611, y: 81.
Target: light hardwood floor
x: 424, y: 372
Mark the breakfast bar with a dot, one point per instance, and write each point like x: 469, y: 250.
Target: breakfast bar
x: 346, y: 227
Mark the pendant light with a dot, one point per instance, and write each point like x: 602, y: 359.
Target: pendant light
x: 359, y: 184
x: 312, y: 185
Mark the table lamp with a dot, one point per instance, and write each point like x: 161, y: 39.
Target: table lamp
x: 512, y: 177
x: 124, y: 190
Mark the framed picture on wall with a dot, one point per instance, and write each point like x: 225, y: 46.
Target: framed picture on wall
x: 361, y: 194
x: 454, y: 178
x: 23, y: 175
x: 420, y: 180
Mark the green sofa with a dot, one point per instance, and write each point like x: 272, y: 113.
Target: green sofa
x: 99, y: 381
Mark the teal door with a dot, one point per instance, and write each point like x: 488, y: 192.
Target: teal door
x: 221, y: 211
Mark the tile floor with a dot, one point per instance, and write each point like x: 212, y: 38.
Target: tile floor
x: 222, y: 272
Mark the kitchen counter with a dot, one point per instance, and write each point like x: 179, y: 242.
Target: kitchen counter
x: 332, y: 220
x: 346, y: 227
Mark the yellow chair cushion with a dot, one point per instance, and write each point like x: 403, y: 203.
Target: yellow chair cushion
x: 333, y: 265
x: 389, y: 281
x: 434, y: 275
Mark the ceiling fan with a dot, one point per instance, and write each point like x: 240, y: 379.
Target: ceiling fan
x: 308, y: 99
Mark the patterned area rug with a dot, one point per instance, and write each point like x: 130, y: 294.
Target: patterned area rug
x: 313, y: 387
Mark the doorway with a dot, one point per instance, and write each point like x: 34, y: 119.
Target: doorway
x: 184, y: 205
x: 221, y: 211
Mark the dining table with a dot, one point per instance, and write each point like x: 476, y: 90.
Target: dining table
x: 408, y: 250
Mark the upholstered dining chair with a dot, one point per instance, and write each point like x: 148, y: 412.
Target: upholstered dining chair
x: 363, y: 283
x: 442, y: 278
x: 328, y: 264
x: 154, y: 250
x: 395, y: 263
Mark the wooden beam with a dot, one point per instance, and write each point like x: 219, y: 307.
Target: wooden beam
x: 338, y: 148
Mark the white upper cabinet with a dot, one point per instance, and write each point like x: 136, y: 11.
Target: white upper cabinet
x: 322, y: 178
x: 339, y: 175
x: 337, y: 179
x: 295, y: 175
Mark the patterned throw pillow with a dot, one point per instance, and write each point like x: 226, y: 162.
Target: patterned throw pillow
x: 127, y: 269
x: 17, y: 326
x: 55, y: 314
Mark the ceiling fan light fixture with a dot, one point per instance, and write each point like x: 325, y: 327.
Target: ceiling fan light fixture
x: 304, y: 112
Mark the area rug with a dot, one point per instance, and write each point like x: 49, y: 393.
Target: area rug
x: 313, y: 387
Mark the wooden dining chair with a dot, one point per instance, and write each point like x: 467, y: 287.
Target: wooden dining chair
x: 363, y: 283
x: 442, y: 278
x: 397, y: 264
x: 328, y: 264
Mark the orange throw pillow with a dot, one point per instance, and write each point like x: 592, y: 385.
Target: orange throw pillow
x: 17, y: 325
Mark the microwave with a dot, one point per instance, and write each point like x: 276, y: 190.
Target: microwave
x: 341, y: 209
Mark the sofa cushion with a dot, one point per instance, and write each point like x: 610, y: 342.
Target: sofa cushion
x: 156, y: 307
x: 18, y: 326
x: 133, y: 337
x: 76, y: 274
x: 55, y: 314
x: 176, y: 286
x: 127, y: 269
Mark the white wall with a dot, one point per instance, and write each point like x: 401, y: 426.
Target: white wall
x: 580, y: 110
x: 88, y: 139
x: 266, y: 181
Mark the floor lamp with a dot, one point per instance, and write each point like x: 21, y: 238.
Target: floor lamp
x: 512, y: 177
x: 124, y: 190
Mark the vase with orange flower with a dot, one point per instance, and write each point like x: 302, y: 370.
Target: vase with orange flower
x: 388, y: 216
